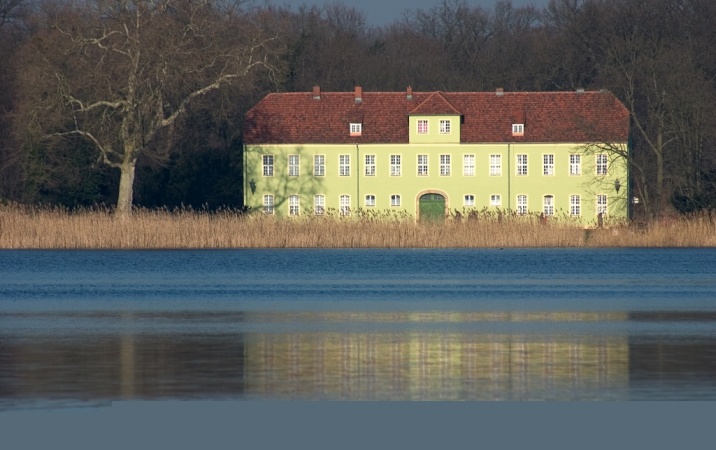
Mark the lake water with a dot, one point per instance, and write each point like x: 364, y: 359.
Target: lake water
x: 84, y: 328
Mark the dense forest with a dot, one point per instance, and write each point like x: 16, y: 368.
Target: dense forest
x: 140, y: 102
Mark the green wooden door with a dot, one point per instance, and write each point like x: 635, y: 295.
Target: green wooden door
x: 432, y: 208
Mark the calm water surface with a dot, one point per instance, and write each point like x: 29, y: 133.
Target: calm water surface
x: 81, y: 328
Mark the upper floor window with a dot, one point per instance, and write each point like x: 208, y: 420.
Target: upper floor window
x: 356, y: 129
x: 293, y: 204
x: 495, y: 165
x: 575, y: 164
x: 548, y: 164
x: 319, y: 204
x: 444, y: 127
x: 444, y: 165
x: 293, y: 163
x: 468, y: 165
x: 602, y: 164
x: 518, y: 129
x: 370, y: 165
x: 268, y: 204
x: 319, y: 165
x: 394, y: 165
x: 344, y: 165
x: 268, y: 165
x: 522, y: 164
x: 423, y: 165
x: 422, y: 127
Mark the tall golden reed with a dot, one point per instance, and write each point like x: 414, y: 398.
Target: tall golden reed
x: 24, y: 227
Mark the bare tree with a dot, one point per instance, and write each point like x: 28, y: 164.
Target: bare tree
x: 120, y: 73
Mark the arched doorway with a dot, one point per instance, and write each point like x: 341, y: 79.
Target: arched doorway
x: 431, y: 208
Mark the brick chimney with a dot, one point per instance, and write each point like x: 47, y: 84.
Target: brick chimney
x: 316, y: 92
x: 409, y: 93
x: 500, y: 92
x: 359, y: 94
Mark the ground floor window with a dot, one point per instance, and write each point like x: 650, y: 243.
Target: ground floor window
x: 469, y: 200
x: 268, y: 204
x: 548, y: 205
x: 319, y: 204
x: 370, y: 200
x: 293, y: 205
x: 522, y: 204
x: 602, y: 204
x: 345, y: 205
x: 495, y: 200
x: 575, y: 205
x: 395, y: 200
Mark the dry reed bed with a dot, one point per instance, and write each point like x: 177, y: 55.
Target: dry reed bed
x: 44, y: 228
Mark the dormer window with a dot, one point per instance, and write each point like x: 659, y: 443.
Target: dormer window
x: 444, y: 127
x: 518, y: 129
x: 422, y: 127
x: 356, y: 129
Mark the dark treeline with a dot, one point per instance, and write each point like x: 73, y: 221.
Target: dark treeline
x: 78, y: 107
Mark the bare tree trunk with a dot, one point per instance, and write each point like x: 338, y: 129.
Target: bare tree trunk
x: 126, y: 187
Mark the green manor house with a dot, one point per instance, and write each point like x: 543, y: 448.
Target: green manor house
x: 429, y: 154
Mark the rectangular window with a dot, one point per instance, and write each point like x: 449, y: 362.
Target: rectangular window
x: 522, y: 204
x: 548, y: 164
x: 495, y: 165
x: 521, y: 164
x: 356, y: 129
x: 518, y: 129
x: 423, y: 165
x: 444, y: 127
x: 575, y: 164
x: 395, y: 200
x: 268, y: 165
x: 602, y: 204
x: 394, y: 165
x: 370, y: 165
x: 575, y: 205
x: 602, y: 164
x: 345, y: 205
x: 344, y: 165
x: 468, y: 165
x: 319, y: 165
x: 469, y: 200
x: 268, y: 204
x: 548, y: 205
x: 444, y: 165
x: 293, y: 205
x: 370, y: 200
x: 293, y: 165
x: 495, y: 200
x: 319, y: 204
x: 422, y: 127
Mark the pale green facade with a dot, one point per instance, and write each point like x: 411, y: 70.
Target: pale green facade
x: 566, y: 180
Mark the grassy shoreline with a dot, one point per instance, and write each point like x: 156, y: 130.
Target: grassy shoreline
x: 56, y: 228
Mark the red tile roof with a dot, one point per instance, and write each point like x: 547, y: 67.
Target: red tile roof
x: 298, y: 118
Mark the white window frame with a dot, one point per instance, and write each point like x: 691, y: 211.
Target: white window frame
x: 495, y: 165
x: 423, y: 165
x: 601, y: 164
x: 602, y: 203
x: 344, y: 205
x: 521, y: 160
x: 294, y: 205
x: 369, y: 201
x: 423, y: 126
x: 319, y: 204
x: 445, y: 165
x: 268, y: 205
x: 468, y: 200
x: 395, y: 168
x: 319, y: 165
x: 548, y: 205
x: 522, y: 204
x: 468, y: 165
x: 575, y: 164
x: 294, y: 163
x: 395, y: 200
x: 267, y: 161
x: 369, y: 165
x: 575, y: 205
x: 518, y: 129
x: 548, y: 164
x: 344, y: 165
x: 495, y: 200
x: 445, y: 126
x: 356, y: 129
